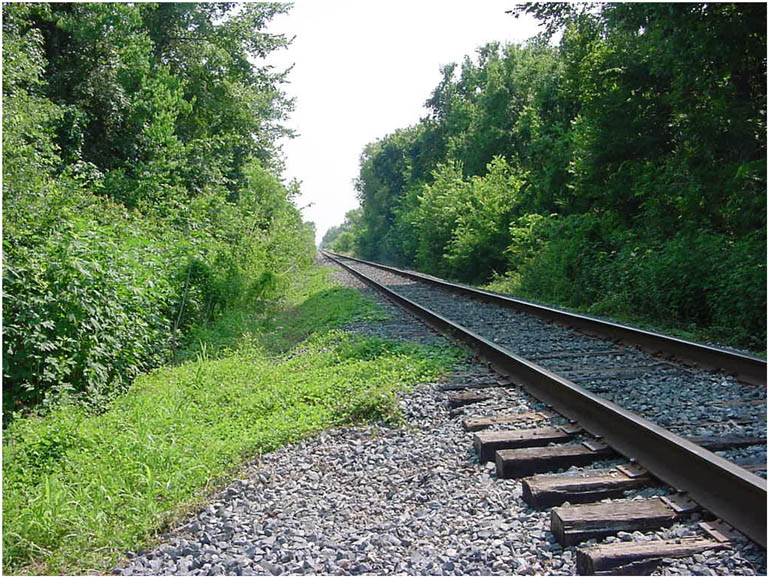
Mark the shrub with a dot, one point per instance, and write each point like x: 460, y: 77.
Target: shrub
x: 95, y: 294
x: 696, y: 279
x: 86, y: 308
x: 462, y: 224
x: 481, y: 233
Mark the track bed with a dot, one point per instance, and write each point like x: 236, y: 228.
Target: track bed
x: 415, y: 499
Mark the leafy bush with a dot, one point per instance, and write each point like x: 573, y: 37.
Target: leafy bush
x: 481, y: 234
x: 739, y: 297
x: 98, y: 291
x: 86, y: 309
x: 97, y: 298
x: 636, y: 157
x: 439, y: 209
x: 695, y: 279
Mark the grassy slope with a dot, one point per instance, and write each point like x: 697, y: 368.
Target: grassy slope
x: 79, y: 490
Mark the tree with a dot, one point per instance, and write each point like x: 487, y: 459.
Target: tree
x: 139, y: 187
x: 642, y: 133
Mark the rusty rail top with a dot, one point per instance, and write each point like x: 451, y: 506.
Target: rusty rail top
x: 727, y: 490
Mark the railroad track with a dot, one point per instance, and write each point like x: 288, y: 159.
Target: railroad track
x: 648, y: 409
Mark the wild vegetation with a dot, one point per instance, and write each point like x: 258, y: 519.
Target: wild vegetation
x: 141, y: 195
x: 161, y: 321
x: 621, y: 171
x: 80, y: 489
x: 162, y: 318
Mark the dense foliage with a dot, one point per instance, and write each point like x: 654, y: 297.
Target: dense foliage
x: 622, y: 171
x: 140, y: 187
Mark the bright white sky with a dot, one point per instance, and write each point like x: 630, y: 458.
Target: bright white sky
x: 364, y: 69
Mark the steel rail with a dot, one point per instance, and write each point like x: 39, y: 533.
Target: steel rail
x: 746, y: 368
x: 730, y: 492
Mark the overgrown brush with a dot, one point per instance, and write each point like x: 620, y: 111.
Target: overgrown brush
x: 623, y: 170
x: 138, y: 204
x: 81, y: 489
x: 708, y: 284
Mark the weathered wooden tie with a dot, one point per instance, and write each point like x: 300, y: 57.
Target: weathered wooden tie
x: 642, y: 557
x: 574, y: 524
x: 544, y: 491
x: 611, y: 372
x: 707, y: 423
x: 520, y: 462
x: 481, y: 422
x: 465, y: 398
x: 487, y: 443
x: 739, y: 402
x: 600, y: 376
x: 638, y: 558
x: 579, y: 354
x: 726, y: 441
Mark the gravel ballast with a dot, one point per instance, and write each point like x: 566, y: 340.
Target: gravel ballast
x: 696, y: 402
x: 408, y: 499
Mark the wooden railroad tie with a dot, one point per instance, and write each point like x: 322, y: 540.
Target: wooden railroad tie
x: 465, y: 398
x: 638, y: 558
x: 726, y: 441
x: 481, y: 422
x: 521, y: 462
x: 579, y: 354
x: 487, y: 443
x: 731, y: 403
x: 573, y: 524
x: 544, y: 491
x: 619, y: 371
x: 707, y: 423
x: 641, y: 558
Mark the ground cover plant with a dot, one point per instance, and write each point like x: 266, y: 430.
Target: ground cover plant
x: 160, y: 322
x: 81, y: 488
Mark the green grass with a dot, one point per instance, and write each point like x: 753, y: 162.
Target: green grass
x: 79, y: 490
x: 311, y: 304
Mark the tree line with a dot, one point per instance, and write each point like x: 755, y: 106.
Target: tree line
x: 621, y: 170
x: 141, y: 188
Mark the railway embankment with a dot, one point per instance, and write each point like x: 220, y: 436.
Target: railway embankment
x: 365, y: 448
